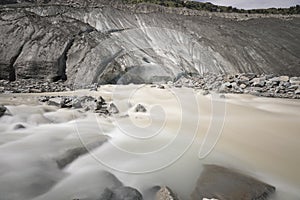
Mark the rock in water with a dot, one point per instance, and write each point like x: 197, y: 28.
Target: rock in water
x: 85, y: 102
x: 226, y: 184
x: 140, y: 108
x: 72, y: 154
x: 113, y: 109
x: 126, y: 193
x: 19, y: 126
x: 166, y: 193
x: 121, y: 193
x: 57, y: 101
x: 2, y: 110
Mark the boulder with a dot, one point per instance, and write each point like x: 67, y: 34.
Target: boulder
x: 73, y: 153
x: 293, y: 87
x: 2, y: 110
x: 19, y: 126
x: 275, y: 79
x: 258, y: 82
x: 295, y: 80
x: 297, y: 92
x: 62, y: 102
x: 150, y: 193
x: 227, y: 84
x: 126, y: 193
x: 165, y: 193
x: 243, y: 80
x: 224, y: 184
x: 121, y: 193
x: 44, y: 99
x: 243, y: 86
x: 34, y: 90
x: 85, y: 102
x: 57, y: 101
x: 229, y: 78
x: 205, y: 92
x: 69, y: 156
x: 225, y: 87
x: 76, y: 103
x: 140, y: 108
x: 161, y: 87
x: 101, y: 105
x: 113, y: 109
x: 284, y: 78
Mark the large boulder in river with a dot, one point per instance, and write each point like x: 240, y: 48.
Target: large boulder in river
x: 226, y: 184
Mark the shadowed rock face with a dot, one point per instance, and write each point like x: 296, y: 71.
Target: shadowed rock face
x: 117, y: 44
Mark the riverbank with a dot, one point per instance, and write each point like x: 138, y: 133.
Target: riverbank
x: 245, y: 83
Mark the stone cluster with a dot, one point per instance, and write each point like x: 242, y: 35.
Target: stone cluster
x: 32, y: 86
x: 246, y: 83
x: 86, y: 103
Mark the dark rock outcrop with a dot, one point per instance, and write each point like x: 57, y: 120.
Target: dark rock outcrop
x: 224, y: 184
x: 108, y: 42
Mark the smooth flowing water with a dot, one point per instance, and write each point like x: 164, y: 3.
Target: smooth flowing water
x: 167, y: 145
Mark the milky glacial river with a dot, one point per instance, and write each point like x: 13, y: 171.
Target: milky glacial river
x: 167, y: 145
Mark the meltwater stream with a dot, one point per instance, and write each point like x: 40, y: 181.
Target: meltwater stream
x: 168, y: 145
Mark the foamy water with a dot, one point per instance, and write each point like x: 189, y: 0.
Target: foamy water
x: 167, y: 145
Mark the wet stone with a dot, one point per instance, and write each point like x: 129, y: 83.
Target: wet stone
x: 140, y: 108
x: 2, y: 110
x: 165, y: 193
x: 113, y: 109
x: 223, y: 184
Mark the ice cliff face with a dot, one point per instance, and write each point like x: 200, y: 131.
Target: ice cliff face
x: 141, y: 44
